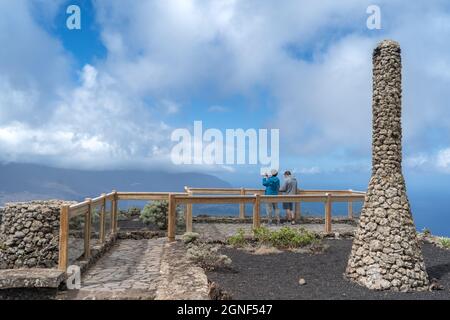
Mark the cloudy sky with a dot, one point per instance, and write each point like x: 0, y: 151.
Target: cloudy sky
x: 109, y: 95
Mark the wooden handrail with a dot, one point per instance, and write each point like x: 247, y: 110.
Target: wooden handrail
x: 213, y: 199
x: 145, y: 195
x: 79, y: 205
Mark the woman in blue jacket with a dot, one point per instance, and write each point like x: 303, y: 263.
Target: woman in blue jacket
x: 272, y: 185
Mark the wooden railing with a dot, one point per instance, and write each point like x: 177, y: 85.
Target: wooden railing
x: 256, y: 197
x: 84, y: 209
x: 241, y: 196
x: 252, y: 191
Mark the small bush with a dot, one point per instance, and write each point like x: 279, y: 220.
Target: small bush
x: 445, y: 242
x: 189, y: 237
x: 207, y: 256
x: 130, y: 213
x: 262, y: 235
x: 284, y: 238
x: 156, y: 213
x: 238, y: 240
x: 426, y: 232
x: 290, y: 238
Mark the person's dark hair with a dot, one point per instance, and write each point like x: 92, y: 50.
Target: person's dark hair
x: 287, y: 173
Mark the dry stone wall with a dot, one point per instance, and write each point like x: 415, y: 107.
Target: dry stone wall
x: 386, y: 253
x: 29, y: 234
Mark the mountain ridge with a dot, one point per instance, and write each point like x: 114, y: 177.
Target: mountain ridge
x: 25, y: 182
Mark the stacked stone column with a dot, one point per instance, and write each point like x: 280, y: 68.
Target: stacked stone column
x: 386, y: 253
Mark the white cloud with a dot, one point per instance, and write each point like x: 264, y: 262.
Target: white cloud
x: 169, y: 107
x: 34, y: 68
x: 417, y: 161
x: 313, y: 59
x: 443, y: 159
x: 433, y: 161
x: 94, y: 126
x: 46, y: 116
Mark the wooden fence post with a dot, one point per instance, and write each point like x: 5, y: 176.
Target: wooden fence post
x: 256, y: 212
x: 189, y: 215
x: 114, y: 215
x: 298, y: 211
x: 242, y: 206
x: 172, y: 217
x: 87, y: 230
x: 102, y: 220
x: 328, y: 213
x: 63, y: 238
x: 350, y: 209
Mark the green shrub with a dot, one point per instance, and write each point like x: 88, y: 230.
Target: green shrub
x: 426, y: 232
x: 262, y: 235
x: 283, y: 238
x: 445, y: 242
x: 156, y: 213
x: 129, y: 213
x: 238, y: 240
x: 291, y: 238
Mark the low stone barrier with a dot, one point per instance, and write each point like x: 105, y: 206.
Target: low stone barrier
x: 29, y: 250
x: 29, y: 234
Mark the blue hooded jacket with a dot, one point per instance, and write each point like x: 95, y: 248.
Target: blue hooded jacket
x: 272, y: 185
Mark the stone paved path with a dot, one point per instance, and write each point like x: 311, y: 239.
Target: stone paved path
x: 130, y: 270
x: 142, y: 270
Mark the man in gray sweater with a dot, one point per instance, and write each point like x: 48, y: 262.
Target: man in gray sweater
x: 289, y: 187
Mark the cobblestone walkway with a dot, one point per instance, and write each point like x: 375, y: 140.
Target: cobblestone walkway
x: 130, y: 270
x: 142, y: 270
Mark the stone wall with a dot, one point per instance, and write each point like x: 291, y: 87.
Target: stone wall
x: 29, y: 234
x: 386, y: 253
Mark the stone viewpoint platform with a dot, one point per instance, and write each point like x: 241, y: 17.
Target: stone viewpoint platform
x: 148, y: 269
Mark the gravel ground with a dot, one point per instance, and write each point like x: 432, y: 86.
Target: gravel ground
x: 276, y: 276
x: 136, y: 224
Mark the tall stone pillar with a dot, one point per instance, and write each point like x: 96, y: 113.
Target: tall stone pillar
x: 386, y: 253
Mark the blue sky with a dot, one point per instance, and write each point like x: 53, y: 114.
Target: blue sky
x: 109, y: 95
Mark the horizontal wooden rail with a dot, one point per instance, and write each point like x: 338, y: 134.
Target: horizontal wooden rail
x: 293, y: 198
x: 261, y: 191
x: 145, y: 195
x: 79, y: 205
x: 310, y: 198
x: 78, y: 212
x: 214, y: 199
